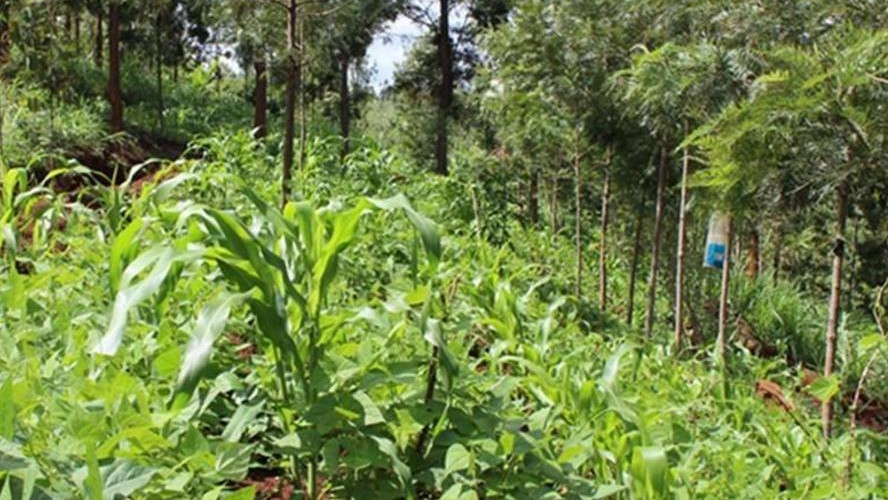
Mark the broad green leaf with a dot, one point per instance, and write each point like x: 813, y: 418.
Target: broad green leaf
x: 608, y: 490
x: 372, y: 415
x: 213, y: 494
x: 388, y: 448
x: 131, y: 296
x: 243, y: 416
x: 428, y: 230
x: 124, y: 478
x: 126, y: 243
x: 611, y: 370
x: 11, y: 456
x: 160, y: 260
x: 651, y: 467
x: 457, y: 459
x: 210, y: 323
x: 825, y: 388
x: 247, y: 493
x: 179, y: 481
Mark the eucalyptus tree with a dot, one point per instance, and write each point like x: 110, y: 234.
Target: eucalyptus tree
x: 536, y: 57
x: 254, y: 28
x: 671, y: 90
x: 822, y: 103
x: 349, y: 31
x: 444, y: 60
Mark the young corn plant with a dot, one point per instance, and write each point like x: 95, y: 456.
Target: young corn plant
x: 281, y: 266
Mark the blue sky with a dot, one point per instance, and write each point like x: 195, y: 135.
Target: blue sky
x: 390, y: 48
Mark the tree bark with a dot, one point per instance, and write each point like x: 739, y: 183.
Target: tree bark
x: 650, y: 314
x: 290, y: 118
x: 5, y: 51
x: 100, y: 39
x: 835, y: 300
x: 578, y: 216
x: 159, y: 70
x: 725, y: 293
x: 680, y: 253
x: 77, y: 31
x: 533, y: 197
x: 115, y: 93
x: 344, y: 108
x: 602, y: 244
x: 445, y: 92
x: 753, y: 254
x: 303, y: 115
x: 5, y: 33
x: 260, y: 99
x: 633, y: 270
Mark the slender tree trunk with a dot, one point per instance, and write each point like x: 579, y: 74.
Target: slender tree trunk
x: 633, y: 270
x: 5, y: 50
x: 260, y: 99
x: 77, y: 31
x: 533, y: 197
x: 115, y: 93
x: 680, y: 253
x: 650, y: 314
x: 159, y: 71
x: 778, y: 251
x: 445, y: 92
x: 753, y: 254
x: 578, y: 217
x: 725, y: 293
x: 835, y: 300
x: 855, y: 267
x: 344, y: 107
x: 602, y: 244
x: 100, y: 38
x: 303, y: 111
x: 290, y: 118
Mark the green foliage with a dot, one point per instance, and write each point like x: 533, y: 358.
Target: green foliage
x: 340, y: 308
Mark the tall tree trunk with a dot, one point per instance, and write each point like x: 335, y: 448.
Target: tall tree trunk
x: 855, y: 267
x: 290, y: 117
x: 445, y: 92
x: 303, y: 105
x: 680, y: 253
x: 260, y: 98
x: 77, y: 30
x: 5, y: 50
x: 725, y: 293
x: 835, y: 300
x: 578, y: 217
x: 650, y: 314
x: 344, y: 107
x: 159, y: 70
x: 753, y: 254
x: 533, y: 197
x: 633, y: 270
x: 100, y: 38
x: 778, y: 250
x: 602, y: 244
x: 115, y: 93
